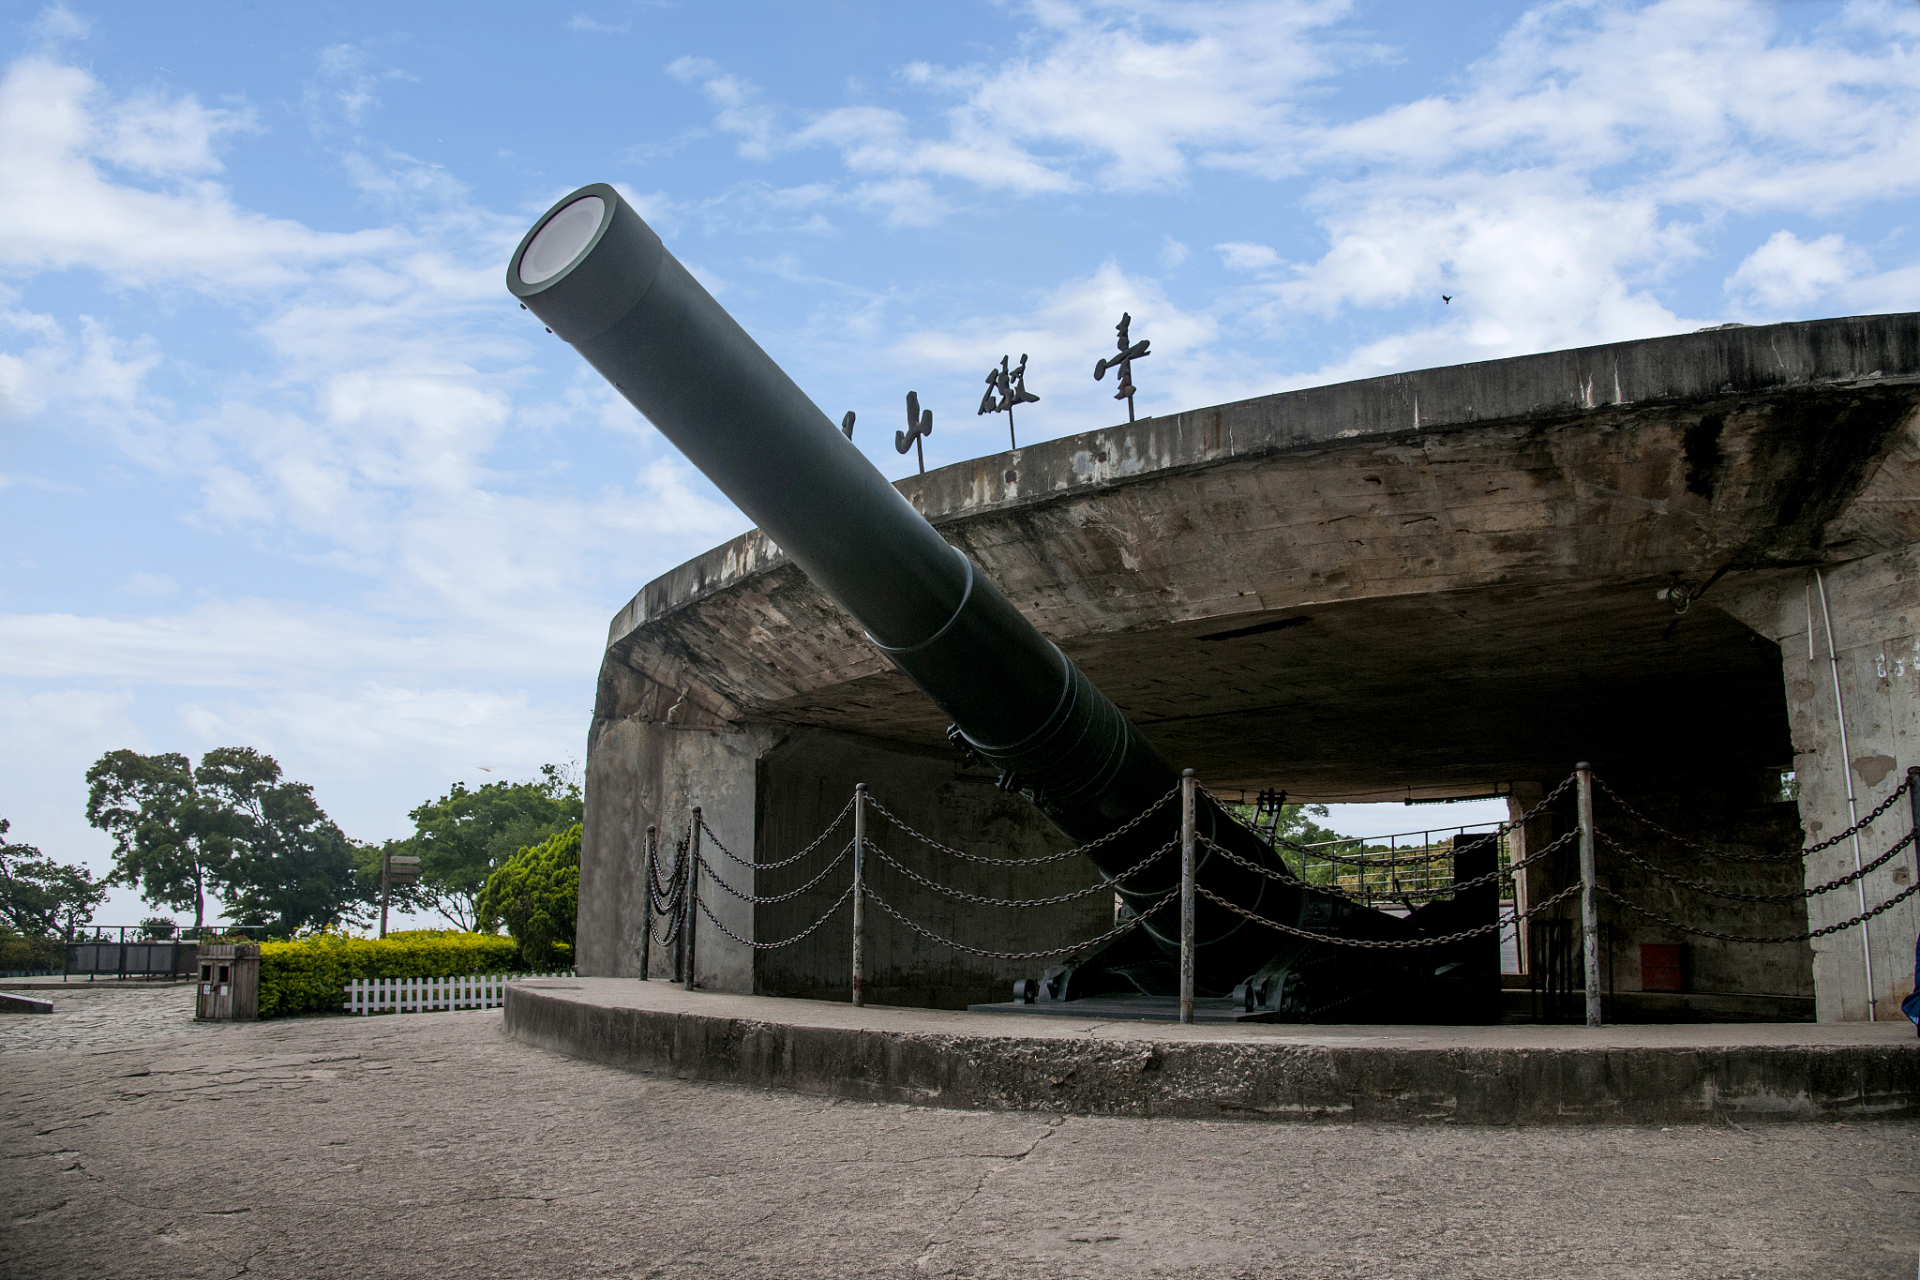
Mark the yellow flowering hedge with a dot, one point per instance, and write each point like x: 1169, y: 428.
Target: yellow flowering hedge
x: 310, y: 975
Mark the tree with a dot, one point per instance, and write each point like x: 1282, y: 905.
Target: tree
x: 166, y: 843
x: 41, y: 898
x: 232, y: 826
x: 536, y: 894
x: 1297, y: 825
x: 288, y: 866
x: 465, y: 836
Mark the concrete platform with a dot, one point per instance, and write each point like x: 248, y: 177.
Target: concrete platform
x: 1473, y: 1075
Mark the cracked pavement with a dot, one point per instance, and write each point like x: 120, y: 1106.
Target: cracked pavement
x: 139, y: 1144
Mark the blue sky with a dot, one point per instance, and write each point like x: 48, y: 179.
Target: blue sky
x: 282, y: 464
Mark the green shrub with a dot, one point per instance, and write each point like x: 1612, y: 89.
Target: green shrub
x: 537, y: 895
x: 311, y: 975
x: 30, y: 954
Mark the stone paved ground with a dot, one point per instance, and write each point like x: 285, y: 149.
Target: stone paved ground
x: 136, y: 1144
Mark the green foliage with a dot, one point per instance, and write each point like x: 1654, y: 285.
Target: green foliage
x: 230, y: 825
x: 30, y: 955
x: 41, y: 898
x: 465, y: 836
x: 290, y: 867
x: 1298, y: 823
x: 311, y: 975
x: 537, y: 896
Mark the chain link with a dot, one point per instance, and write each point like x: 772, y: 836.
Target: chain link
x: 1108, y: 936
x: 773, y: 946
x: 1795, y: 856
x: 1088, y: 847
x: 1811, y: 934
x: 1398, y: 944
x: 963, y: 896
x: 778, y: 897
x: 784, y: 862
x: 1828, y: 887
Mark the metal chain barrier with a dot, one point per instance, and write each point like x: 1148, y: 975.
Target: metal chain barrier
x: 963, y: 896
x: 777, y: 897
x: 785, y: 942
x: 784, y: 862
x: 1808, y: 936
x: 1399, y: 944
x: 1108, y: 936
x: 1112, y: 835
x: 1836, y: 883
x: 1710, y: 851
x: 664, y: 901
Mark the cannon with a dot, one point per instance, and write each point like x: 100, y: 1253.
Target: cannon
x: 598, y: 277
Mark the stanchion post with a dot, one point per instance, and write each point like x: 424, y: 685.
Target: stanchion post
x: 692, y: 904
x: 1589, y: 908
x: 648, y: 866
x: 859, y: 895
x: 1186, y: 895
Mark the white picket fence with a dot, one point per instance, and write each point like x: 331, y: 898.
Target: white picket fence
x: 432, y: 995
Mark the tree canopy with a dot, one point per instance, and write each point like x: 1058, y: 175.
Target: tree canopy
x: 536, y: 894
x: 230, y: 826
x: 466, y: 835
x: 42, y: 898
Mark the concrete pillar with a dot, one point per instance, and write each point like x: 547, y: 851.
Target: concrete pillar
x: 640, y: 772
x: 1875, y: 615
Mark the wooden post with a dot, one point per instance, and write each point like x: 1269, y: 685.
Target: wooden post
x: 386, y: 872
x: 1589, y: 908
x: 859, y: 895
x: 649, y: 868
x: 1186, y: 895
x: 691, y: 906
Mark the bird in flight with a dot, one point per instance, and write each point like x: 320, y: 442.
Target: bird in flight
x: 1446, y: 297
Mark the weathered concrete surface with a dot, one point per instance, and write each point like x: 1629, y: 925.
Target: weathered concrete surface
x: 433, y: 1146
x: 1428, y: 551
x: 1875, y: 613
x: 1474, y: 1075
x: 10, y: 1003
x: 807, y: 781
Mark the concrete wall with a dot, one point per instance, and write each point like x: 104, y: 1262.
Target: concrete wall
x: 639, y: 773
x: 1875, y: 612
x: 766, y: 793
x: 807, y: 778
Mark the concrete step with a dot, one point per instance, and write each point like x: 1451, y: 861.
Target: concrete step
x: 1481, y: 1075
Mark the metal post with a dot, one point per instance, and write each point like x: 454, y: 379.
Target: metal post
x: 648, y: 868
x: 386, y: 867
x: 1589, y: 909
x: 691, y: 906
x: 1186, y: 896
x: 1853, y: 807
x: 859, y: 895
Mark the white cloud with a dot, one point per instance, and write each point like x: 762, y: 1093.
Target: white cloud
x: 743, y: 110
x: 584, y: 25
x: 1788, y: 273
x: 59, y: 210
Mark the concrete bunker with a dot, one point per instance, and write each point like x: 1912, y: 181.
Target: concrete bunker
x: 1431, y: 584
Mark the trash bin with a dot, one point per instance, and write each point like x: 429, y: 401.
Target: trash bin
x: 229, y: 983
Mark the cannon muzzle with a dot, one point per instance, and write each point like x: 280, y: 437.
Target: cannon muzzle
x: 596, y: 274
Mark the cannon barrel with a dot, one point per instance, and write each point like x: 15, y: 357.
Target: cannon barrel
x: 600, y: 278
